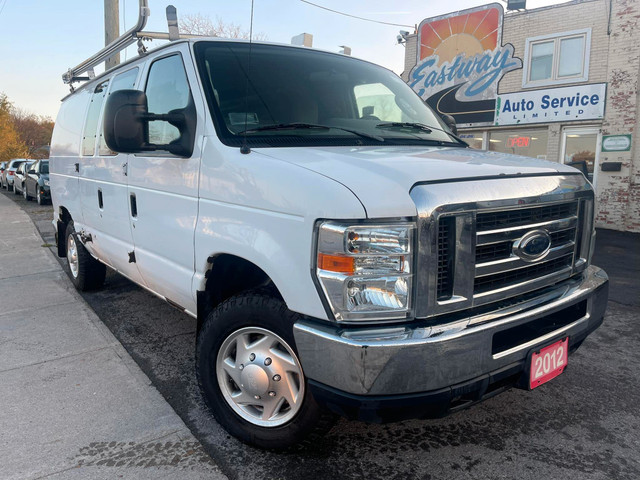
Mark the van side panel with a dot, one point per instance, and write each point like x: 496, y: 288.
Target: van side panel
x: 65, y: 152
x: 264, y: 210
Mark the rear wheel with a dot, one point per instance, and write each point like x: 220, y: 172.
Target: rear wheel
x: 86, y: 272
x: 250, y: 375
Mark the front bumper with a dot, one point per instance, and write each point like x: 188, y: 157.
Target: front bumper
x: 419, y: 359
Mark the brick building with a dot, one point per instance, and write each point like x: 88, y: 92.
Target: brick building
x: 566, y: 88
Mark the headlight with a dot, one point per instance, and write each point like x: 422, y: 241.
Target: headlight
x: 46, y: 183
x: 366, y: 271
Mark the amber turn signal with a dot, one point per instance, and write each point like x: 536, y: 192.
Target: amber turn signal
x: 336, y: 263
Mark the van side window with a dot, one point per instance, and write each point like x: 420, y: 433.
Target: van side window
x: 167, y: 89
x: 122, y: 81
x: 91, y: 124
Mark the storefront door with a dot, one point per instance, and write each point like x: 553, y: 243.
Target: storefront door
x: 581, y: 149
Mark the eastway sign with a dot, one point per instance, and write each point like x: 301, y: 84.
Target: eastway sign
x: 565, y: 104
x: 460, y: 61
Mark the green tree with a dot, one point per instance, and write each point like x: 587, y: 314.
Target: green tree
x: 10, y: 144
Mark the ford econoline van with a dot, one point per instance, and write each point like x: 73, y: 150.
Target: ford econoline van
x: 342, y: 250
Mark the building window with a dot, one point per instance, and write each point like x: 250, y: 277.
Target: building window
x: 557, y: 59
x: 527, y: 142
x: 474, y: 139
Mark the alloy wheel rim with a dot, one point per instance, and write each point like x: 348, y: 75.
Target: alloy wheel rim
x: 72, y: 256
x: 260, y: 377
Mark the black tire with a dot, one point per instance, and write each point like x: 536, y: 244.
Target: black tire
x: 15, y: 190
x: 24, y: 192
x: 266, y: 312
x: 89, y: 273
x: 39, y: 198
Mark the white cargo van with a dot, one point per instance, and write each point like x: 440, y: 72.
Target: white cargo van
x: 342, y: 250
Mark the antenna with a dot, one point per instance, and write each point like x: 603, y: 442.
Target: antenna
x: 244, y: 149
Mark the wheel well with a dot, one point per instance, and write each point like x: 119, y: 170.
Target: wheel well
x: 227, y: 276
x: 64, y: 217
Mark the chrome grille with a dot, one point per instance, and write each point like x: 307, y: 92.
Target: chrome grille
x: 505, y: 271
x: 467, y: 235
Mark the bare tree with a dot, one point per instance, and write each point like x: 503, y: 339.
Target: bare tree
x: 200, y: 24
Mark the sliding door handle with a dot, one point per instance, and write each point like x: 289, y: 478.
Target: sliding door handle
x: 134, y: 205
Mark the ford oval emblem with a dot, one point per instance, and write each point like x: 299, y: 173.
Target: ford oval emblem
x: 533, y: 246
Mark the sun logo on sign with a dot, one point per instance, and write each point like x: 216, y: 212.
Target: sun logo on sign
x: 470, y: 34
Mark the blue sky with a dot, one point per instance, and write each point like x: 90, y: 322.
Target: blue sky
x: 39, y: 40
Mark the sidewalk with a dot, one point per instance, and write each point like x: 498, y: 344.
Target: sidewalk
x: 73, y: 404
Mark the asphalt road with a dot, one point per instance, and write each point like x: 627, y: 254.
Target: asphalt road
x: 584, y: 424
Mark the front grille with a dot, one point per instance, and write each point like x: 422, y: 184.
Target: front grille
x: 499, y: 272
x: 524, y: 216
x: 471, y: 235
x: 498, y: 266
x: 511, y: 277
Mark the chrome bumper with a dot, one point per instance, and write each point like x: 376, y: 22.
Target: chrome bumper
x: 410, y: 359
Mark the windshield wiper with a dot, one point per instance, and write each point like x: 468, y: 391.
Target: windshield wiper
x: 299, y: 125
x: 421, y: 127
x: 416, y: 126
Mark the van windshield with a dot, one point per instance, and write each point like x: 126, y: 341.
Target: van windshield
x: 287, y: 96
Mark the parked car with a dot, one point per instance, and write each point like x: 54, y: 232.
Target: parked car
x: 37, y: 182
x: 9, y: 173
x: 3, y: 166
x: 341, y: 250
x: 20, y: 176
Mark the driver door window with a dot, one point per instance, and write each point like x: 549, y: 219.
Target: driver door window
x: 167, y: 89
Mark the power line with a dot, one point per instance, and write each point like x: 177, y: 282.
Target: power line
x: 3, y: 5
x: 355, y: 16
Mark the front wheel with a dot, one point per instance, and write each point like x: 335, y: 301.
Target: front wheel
x: 39, y: 198
x: 250, y: 375
x: 24, y: 192
x: 86, y: 272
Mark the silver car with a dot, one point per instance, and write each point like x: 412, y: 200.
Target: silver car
x: 20, y: 176
x: 8, y: 176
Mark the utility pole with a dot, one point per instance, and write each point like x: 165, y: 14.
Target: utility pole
x: 111, y: 29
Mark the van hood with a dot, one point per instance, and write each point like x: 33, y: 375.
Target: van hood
x: 382, y: 177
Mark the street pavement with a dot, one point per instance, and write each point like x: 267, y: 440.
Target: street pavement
x: 585, y: 424
x: 73, y: 404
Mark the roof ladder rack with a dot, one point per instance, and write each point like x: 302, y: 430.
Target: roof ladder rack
x: 128, y: 38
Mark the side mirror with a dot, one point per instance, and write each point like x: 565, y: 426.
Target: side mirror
x: 450, y: 122
x: 126, y: 124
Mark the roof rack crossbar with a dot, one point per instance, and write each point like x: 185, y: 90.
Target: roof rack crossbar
x: 119, y: 44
